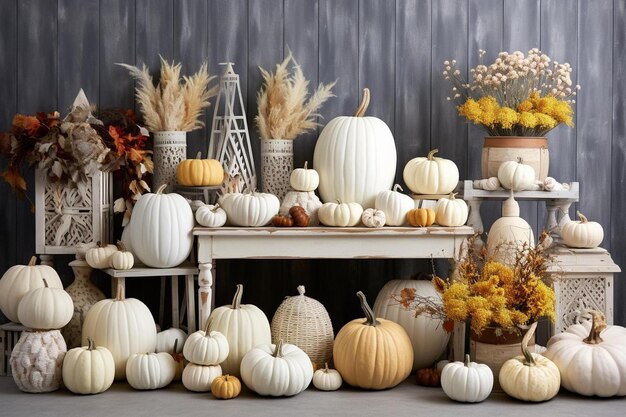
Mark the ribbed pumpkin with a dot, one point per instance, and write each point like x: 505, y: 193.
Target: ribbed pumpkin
x: 46, y: 308
x: 431, y: 175
x: 226, y: 387
x: 199, y: 172
x: 304, y: 322
x: 421, y: 217
x: 372, y: 353
x: 88, y: 369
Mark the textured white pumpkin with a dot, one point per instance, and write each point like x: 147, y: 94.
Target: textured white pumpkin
x: 451, y: 211
x: 166, y: 340
x: 206, y: 348
x: 150, y: 370
x: 308, y: 200
x: 122, y: 258
x: 46, y: 308
x: 355, y: 158
x: 19, y: 280
x: 88, y: 369
x: 37, y: 359
x: 99, y: 257
x: 277, y: 370
x: 372, y: 217
x: 431, y: 175
x: 161, y: 228
x: 395, y: 205
x: 250, y: 209
x: 211, y: 216
x: 582, y: 233
x: 244, y: 325
x: 509, y: 234
x: 428, y: 337
x: 468, y: 382
x: 327, y: 379
x: 340, y: 214
x: 516, y: 176
x: 304, y: 179
x: 198, y: 378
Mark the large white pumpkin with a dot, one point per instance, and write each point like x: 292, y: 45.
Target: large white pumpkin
x: 88, y: 369
x: 428, y: 337
x: 340, y: 214
x: 37, y: 359
x: 431, y: 175
x: 582, y: 233
x: 395, y: 205
x: 46, y: 308
x: 19, y: 280
x: 150, y: 370
x: 244, y: 325
x: 308, y: 200
x: 250, y: 209
x: 451, y: 211
x: 509, y: 234
x: 355, y: 158
x: 161, y: 228
x: 467, y: 382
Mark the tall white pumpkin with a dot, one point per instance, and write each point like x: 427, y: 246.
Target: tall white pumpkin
x: 355, y: 158
x: 161, y: 228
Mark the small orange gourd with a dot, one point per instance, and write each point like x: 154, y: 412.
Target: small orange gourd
x: 226, y: 387
x: 421, y: 217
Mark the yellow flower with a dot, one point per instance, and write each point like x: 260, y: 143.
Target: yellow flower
x: 525, y: 106
x: 562, y: 112
x: 545, y: 121
x: 471, y: 110
x: 506, y: 117
x: 527, y: 120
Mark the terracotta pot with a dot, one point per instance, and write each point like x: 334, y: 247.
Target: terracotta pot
x: 499, y: 149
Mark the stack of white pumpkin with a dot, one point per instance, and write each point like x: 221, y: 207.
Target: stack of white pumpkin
x: 204, y: 350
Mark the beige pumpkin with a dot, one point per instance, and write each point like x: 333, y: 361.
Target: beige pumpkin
x: 146, y: 371
x: 199, y: 172
x: 451, y: 211
x: 431, y: 175
x: 340, y: 214
x: 516, y: 176
x: 509, y: 234
x: 46, y: 308
x: 88, y: 369
x: 122, y: 258
x: 37, y: 359
x: 304, y: 179
x: 582, y: 233
x: 99, y: 257
x: 198, y: 378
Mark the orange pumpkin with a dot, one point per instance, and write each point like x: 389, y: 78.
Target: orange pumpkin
x: 421, y: 217
x: 199, y: 172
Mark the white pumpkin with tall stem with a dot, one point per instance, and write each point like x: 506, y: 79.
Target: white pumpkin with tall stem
x: 582, y: 233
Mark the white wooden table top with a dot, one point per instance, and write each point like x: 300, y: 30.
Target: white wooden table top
x: 332, y: 231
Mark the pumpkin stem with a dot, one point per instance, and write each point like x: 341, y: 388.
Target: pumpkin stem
x: 278, y: 352
x: 206, y: 328
x: 306, y: 164
x: 215, y: 207
x: 45, y: 283
x: 452, y: 196
x: 33, y: 261
x: 161, y: 189
x: 431, y: 154
x: 397, y: 187
x: 199, y: 155
x: 326, y: 367
x: 529, y: 360
x: 301, y: 289
x: 121, y: 246
x: 520, y: 160
x: 175, y: 345
x: 119, y: 296
x: 598, y: 325
x: 237, y: 297
x: 467, y: 360
x: 90, y: 344
x: 370, y: 318
x: 99, y: 244
x: 365, y: 102
x: 582, y: 217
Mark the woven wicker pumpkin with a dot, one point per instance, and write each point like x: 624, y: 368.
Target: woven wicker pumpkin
x: 304, y: 322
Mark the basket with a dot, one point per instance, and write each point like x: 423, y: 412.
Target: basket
x: 304, y: 322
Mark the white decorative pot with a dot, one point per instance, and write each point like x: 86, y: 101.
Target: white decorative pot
x: 276, y: 166
x: 170, y: 148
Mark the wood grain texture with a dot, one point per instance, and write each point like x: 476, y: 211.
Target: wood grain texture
x: 154, y: 32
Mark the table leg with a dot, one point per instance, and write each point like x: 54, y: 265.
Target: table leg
x: 175, y: 310
x: 191, y: 304
x: 458, y: 341
x: 47, y: 260
x: 205, y: 292
x: 3, y: 365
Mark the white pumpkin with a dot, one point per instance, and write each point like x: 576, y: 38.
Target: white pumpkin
x: 355, y: 158
x: 591, y: 358
x: 88, y: 369
x: 308, y: 200
x: 250, y: 209
x: 509, y: 234
x: 431, y: 175
x: 277, y: 370
x: 198, y: 378
x: 19, y: 280
x: 99, y: 257
x: 451, y: 211
x: 467, y: 382
x: 395, y: 205
x: 373, y: 218
x: 428, y: 337
x: 340, y: 214
x: 166, y: 340
x: 244, y: 325
x: 211, y: 216
x: 206, y: 348
x: 304, y: 179
x: 327, y: 379
x: 582, y: 233
x: 150, y: 370
x: 36, y: 361
x: 122, y: 258
x: 161, y: 226
x: 516, y: 176
x: 123, y: 325
x: 46, y: 308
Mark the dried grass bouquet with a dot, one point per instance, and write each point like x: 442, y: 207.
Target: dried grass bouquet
x: 175, y: 103
x: 284, y: 111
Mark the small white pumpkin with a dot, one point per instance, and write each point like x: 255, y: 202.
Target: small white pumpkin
x: 304, y: 179
x: 211, y: 216
x: 198, y: 378
x: 516, y: 176
x: 46, y: 308
x: 99, y: 257
x: 146, y: 371
x: 395, y: 205
x: 250, y: 209
x: 340, y: 214
x: 206, y: 348
x: 308, y: 200
x: 582, y: 233
x: 122, y: 258
x: 373, y: 218
x: 451, y: 211
x: 88, y: 369
x: 277, y: 370
x: 431, y: 175
x: 327, y: 379
x: 467, y: 382
x: 37, y: 360
x: 166, y: 340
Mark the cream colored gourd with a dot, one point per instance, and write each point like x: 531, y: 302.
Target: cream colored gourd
x: 530, y: 377
x: 516, y: 176
x: 372, y: 353
x: 122, y: 258
x: 372, y: 217
x: 211, y: 216
x: 591, y: 357
x: 509, y: 234
x: 467, y: 382
x: 307, y: 200
x: 37, y: 359
x: 161, y: 227
x: 146, y: 371
x: 582, y: 233
x: 428, y: 337
x: 304, y: 179
x: 327, y: 379
x: 88, y: 369
x: 206, y: 348
x: 451, y: 211
x: 166, y: 340
x: 18, y: 280
x: 340, y: 214
x: 123, y: 325
x: 250, y: 209
x: 395, y: 205
x: 355, y: 157
x: 277, y: 370
x: 198, y: 378
x: 226, y: 387
x: 431, y: 175
x: 199, y: 172
x: 99, y: 257
x: 244, y: 325
x: 46, y: 308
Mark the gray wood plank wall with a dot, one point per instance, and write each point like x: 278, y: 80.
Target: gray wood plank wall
x: 48, y: 49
